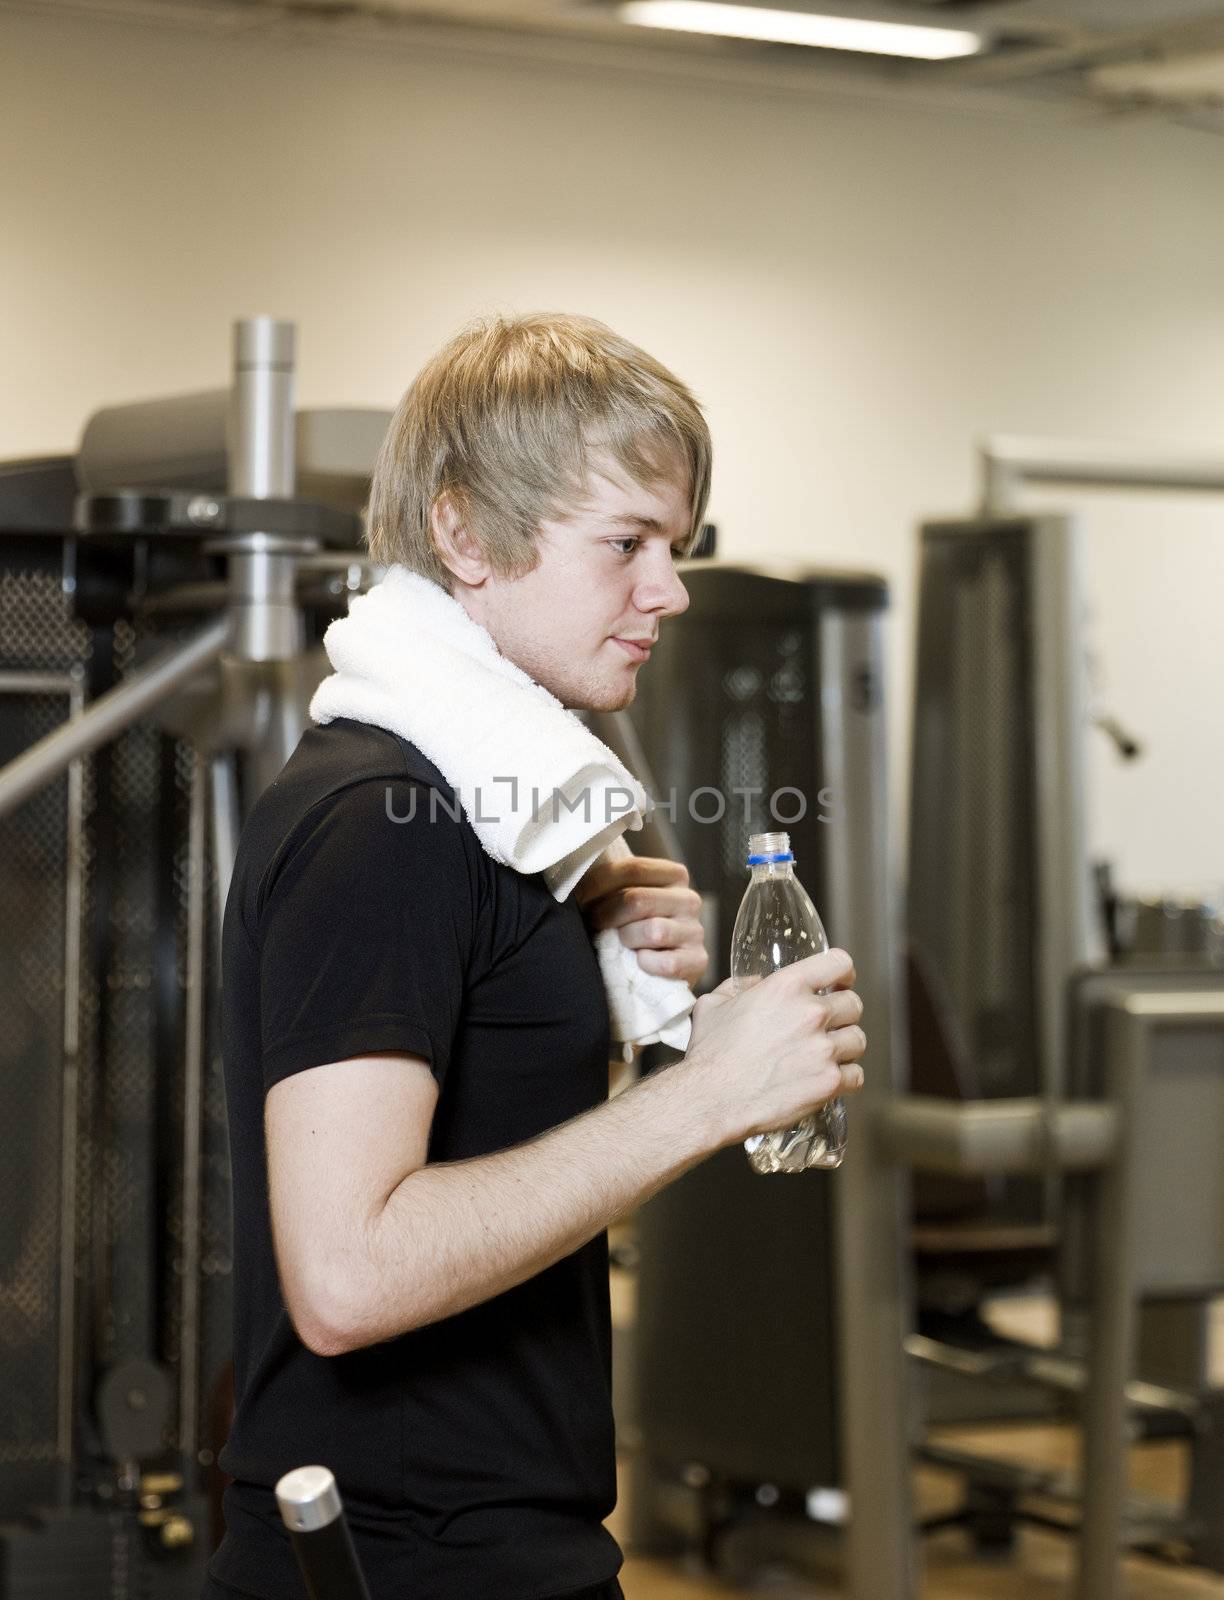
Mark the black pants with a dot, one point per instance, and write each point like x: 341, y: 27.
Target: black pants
x: 604, y: 1591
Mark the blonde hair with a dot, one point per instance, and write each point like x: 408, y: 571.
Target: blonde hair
x: 503, y: 419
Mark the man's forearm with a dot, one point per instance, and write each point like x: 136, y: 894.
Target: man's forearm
x: 455, y: 1233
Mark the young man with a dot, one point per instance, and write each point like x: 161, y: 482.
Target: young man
x: 416, y: 1036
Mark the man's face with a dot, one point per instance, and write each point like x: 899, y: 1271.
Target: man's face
x: 606, y: 572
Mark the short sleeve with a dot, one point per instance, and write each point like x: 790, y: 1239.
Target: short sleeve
x: 365, y: 932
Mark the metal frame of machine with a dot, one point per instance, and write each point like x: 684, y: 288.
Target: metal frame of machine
x: 1085, y: 1144
x: 232, y: 693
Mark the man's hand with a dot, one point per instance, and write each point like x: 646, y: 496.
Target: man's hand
x: 764, y: 1056
x: 648, y: 900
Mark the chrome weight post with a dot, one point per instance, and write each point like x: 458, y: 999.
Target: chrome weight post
x: 311, y: 1510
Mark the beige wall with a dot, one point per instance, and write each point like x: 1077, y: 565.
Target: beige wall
x: 856, y: 293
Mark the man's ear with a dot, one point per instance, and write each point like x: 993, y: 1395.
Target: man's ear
x: 457, y: 547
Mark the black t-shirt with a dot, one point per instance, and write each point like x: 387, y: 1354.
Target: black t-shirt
x: 475, y: 1456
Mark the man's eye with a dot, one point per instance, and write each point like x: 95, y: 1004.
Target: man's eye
x: 678, y: 552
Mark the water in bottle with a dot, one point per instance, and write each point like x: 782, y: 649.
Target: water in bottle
x: 777, y: 924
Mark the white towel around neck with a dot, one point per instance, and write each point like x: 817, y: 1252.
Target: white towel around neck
x: 542, y: 793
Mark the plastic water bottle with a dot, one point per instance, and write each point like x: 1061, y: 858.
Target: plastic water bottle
x: 777, y: 924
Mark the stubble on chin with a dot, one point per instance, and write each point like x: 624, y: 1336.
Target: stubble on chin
x: 600, y: 697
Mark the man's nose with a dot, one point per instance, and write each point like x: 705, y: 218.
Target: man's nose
x: 662, y: 592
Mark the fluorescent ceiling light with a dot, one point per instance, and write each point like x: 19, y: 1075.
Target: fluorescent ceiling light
x: 801, y: 27
x: 1176, y: 79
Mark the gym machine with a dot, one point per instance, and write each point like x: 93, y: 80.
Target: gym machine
x: 1086, y: 1080
x: 766, y: 1371
x: 1062, y: 1084
x: 161, y: 600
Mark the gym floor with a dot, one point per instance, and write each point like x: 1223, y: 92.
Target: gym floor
x: 1041, y: 1566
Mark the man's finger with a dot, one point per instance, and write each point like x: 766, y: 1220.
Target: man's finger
x: 687, y: 963
x: 639, y: 902
x: 852, y: 1078
x: 849, y: 1044
x: 829, y: 969
x: 660, y: 933
x: 607, y: 877
x: 651, y: 870
x: 844, y: 1008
